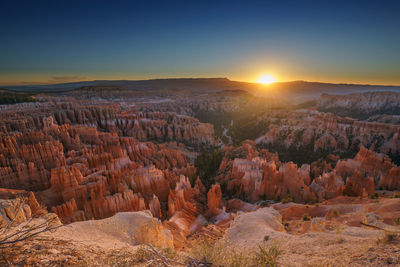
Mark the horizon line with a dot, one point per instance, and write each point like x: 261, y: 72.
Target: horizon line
x: 187, y: 78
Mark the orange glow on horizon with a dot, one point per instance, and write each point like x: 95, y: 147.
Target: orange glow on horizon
x: 266, y: 79
x: 263, y: 78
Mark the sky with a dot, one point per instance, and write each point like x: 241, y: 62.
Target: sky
x: 329, y: 41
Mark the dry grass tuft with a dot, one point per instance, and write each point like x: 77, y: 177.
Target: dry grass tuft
x: 219, y: 254
x: 267, y: 255
x: 141, y: 256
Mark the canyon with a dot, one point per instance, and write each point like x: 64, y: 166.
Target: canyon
x: 99, y: 156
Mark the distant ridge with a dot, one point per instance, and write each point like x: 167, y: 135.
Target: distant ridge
x: 128, y: 84
x: 302, y: 89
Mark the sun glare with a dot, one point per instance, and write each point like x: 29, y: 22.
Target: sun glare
x: 266, y: 79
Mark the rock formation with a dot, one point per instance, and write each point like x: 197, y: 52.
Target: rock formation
x: 360, y: 105
x: 329, y: 185
x: 317, y: 131
x: 214, y: 200
x: 86, y: 159
x: 391, y: 181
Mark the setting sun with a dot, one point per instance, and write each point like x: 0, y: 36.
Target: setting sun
x: 266, y: 79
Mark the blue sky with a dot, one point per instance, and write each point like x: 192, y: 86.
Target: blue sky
x: 332, y: 41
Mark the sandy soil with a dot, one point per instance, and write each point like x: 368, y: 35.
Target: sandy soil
x: 112, y: 241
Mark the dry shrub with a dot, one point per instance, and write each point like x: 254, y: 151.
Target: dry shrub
x: 388, y: 238
x: 206, y: 250
x: 287, y: 199
x: 143, y: 256
x: 219, y: 254
x: 395, y: 195
x: 306, y: 217
x: 140, y: 256
x: 267, y: 255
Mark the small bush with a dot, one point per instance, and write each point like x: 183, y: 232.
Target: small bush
x: 267, y: 256
x: 204, y: 250
x: 218, y: 254
x: 395, y: 195
x: 397, y: 221
x: 287, y: 199
x: 238, y: 259
x: 141, y: 255
x: 306, y: 217
x: 374, y: 196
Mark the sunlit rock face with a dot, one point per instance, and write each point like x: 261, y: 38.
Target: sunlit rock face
x: 356, y: 185
x: 288, y: 180
x: 360, y: 105
x: 260, y: 175
x: 329, y: 185
x: 257, y: 176
x: 23, y: 209
x: 250, y: 229
x: 391, y: 181
x: 214, y: 200
x: 91, y: 159
x: 250, y: 174
x: 359, y: 176
x: 315, y: 131
x: 368, y: 169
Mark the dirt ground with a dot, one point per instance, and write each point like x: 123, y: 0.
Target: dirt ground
x: 304, y: 242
